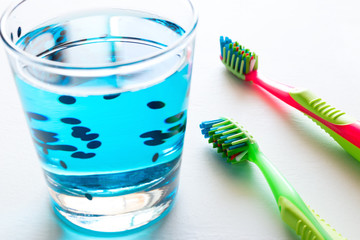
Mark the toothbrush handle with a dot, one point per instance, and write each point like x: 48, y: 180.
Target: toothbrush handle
x: 302, y: 225
x: 293, y: 210
x: 344, y: 129
x: 340, y: 126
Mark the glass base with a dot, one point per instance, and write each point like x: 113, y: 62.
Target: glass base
x: 114, y: 210
x: 115, y: 214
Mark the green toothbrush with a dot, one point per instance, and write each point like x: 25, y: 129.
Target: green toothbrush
x: 237, y: 145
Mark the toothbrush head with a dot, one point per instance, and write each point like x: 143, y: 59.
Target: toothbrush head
x: 231, y: 139
x: 237, y: 59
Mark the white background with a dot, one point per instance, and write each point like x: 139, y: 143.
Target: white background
x: 313, y: 44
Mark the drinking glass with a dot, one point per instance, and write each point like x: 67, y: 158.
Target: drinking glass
x: 105, y: 88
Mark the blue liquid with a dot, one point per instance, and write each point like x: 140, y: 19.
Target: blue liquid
x: 96, y: 146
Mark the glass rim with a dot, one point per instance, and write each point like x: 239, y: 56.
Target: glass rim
x: 60, y: 65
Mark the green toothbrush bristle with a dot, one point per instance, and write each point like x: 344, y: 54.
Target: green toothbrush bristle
x: 237, y: 59
x: 228, y: 137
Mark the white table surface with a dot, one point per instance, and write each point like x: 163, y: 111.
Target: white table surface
x: 313, y: 44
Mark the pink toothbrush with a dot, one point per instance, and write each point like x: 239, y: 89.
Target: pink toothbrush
x: 340, y: 126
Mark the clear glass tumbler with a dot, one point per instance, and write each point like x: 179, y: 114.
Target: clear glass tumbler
x: 105, y: 86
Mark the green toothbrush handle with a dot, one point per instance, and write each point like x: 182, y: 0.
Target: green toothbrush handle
x: 293, y: 210
x: 302, y: 225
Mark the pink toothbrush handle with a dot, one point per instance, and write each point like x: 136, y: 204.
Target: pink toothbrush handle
x: 343, y: 128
